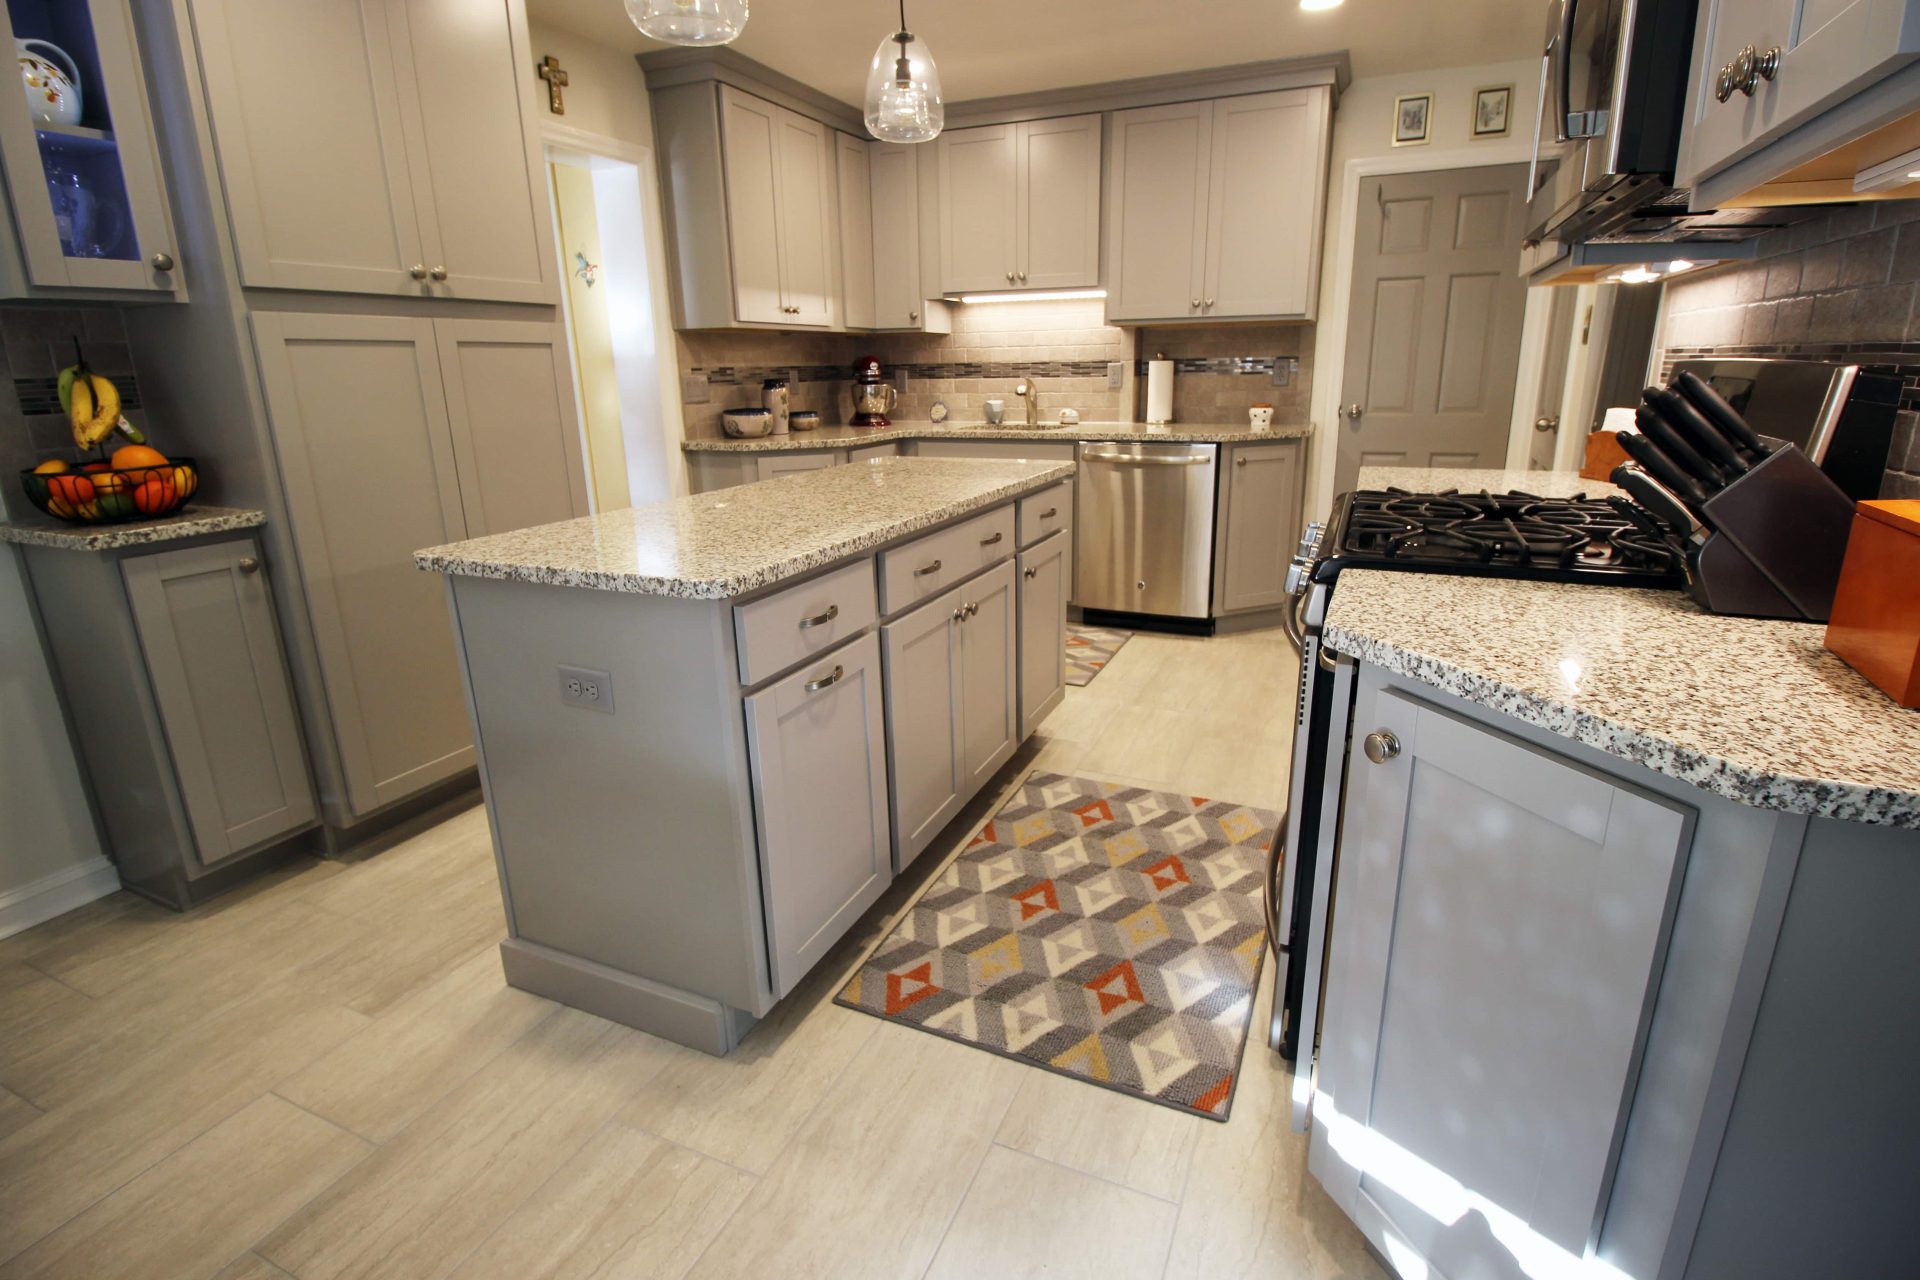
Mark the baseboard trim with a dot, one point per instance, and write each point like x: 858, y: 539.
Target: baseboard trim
x: 652, y: 1007
x: 55, y: 895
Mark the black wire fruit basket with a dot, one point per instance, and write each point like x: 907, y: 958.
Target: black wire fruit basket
x: 109, y: 495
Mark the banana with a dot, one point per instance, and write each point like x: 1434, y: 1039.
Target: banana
x: 80, y: 409
x: 94, y: 410
x: 131, y: 432
x: 67, y: 376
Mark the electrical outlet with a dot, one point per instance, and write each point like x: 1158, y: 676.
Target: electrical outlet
x: 580, y: 687
x: 1284, y: 367
x: 1115, y: 372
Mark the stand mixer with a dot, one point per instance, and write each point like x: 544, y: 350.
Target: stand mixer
x: 873, y: 398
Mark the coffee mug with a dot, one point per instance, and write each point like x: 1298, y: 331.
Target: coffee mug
x: 1261, y: 416
x: 996, y: 412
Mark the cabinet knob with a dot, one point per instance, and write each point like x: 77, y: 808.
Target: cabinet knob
x: 249, y: 565
x: 1031, y: 571
x: 1746, y: 71
x: 913, y: 315
x: 1209, y: 304
x: 973, y: 607
x: 438, y: 273
x: 418, y: 271
x: 1239, y: 462
x: 162, y: 261
x: 1023, y: 277
x: 1381, y: 746
x: 1195, y: 304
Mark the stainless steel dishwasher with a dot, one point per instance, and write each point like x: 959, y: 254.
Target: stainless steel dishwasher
x: 1146, y: 528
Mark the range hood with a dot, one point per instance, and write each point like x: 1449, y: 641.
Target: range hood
x: 1651, y: 240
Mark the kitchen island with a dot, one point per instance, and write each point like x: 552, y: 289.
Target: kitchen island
x: 1621, y: 980
x: 710, y: 731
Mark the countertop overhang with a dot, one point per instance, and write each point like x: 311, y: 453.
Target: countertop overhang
x: 715, y: 546
x: 1133, y: 432
x: 1755, y: 710
x: 192, y: 522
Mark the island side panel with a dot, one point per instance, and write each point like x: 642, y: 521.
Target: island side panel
x: 625, y: 839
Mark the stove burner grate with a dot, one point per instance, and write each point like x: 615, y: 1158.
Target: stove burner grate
x: 1510, y: 532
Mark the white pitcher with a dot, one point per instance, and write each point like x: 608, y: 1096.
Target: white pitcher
x: 51, y: 81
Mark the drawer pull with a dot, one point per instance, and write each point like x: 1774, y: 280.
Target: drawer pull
x: 987, y: 542
x: 815, y: 686
x: 927, y: 569
x: 821, y: 619
x: 1050, y: 513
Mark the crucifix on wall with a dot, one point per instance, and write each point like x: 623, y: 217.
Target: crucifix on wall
x: 549, y: 70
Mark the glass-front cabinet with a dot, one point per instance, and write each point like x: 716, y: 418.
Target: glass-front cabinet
x: 83, y: 174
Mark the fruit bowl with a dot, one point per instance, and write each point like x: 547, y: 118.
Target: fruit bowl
x: 111, y: 496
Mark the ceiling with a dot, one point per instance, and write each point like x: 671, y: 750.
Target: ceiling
x: 985, y: 48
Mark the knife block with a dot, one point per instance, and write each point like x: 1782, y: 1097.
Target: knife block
x: 1779, y: 536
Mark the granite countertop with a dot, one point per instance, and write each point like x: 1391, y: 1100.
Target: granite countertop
x: 716, y: 545
x: 1751, y: 709
x: 1172, y: 433
x: 195, y: 520
x: 1542, y: 484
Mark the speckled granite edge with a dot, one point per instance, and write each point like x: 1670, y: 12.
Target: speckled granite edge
x: 1763, y: 789
x: 516, y: 556
x: 190, y: 523
x: 1130, y: 432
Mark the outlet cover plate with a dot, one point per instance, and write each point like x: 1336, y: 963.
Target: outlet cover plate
x: 584, y: 687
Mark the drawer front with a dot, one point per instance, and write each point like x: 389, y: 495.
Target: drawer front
x: 927, y: 566
x: 1045, y: 512
x: 794, y: 624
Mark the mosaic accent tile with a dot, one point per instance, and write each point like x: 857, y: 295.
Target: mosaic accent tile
x: 1107, y: 933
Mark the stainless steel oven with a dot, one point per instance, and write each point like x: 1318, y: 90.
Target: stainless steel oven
x: 1613, y: 79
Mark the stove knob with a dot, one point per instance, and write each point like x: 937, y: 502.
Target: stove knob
x: 1310, y: 541
x: 1297, y: 575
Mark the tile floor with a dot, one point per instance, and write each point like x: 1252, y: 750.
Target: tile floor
x: 323, y: 1076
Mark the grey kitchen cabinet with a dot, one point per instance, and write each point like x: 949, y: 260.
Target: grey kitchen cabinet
x: 1044, y: 579
x: 212, y: 648
x: 780, y: 218
x: 1259, y: 523
x: 952, y: 702
x: 720, y: 470
x: 1826, y: 60
x: 817, y: 747
x: 396, y: 434
x: 772, y: 465
x: 1503, y: 922
x: 1020, y: 205
x: 379, y: 146
x: 900, y: 280
x: 1215, y: 209
x: 110, y: 151
x: 853, y: 160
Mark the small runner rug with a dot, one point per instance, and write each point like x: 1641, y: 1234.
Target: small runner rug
x: 1108, y: 933
x: 1089, y: 649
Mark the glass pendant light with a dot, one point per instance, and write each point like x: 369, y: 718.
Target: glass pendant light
x: 903, y: 89
x: 695, y: 22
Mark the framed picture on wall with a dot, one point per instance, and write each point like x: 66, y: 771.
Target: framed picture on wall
x: 1492, y: 111
x: 1412, y: 119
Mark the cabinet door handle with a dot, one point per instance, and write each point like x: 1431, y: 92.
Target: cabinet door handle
x: 998, y: 537
x: 1031, y: 571
x: 1050, y: 513
x: 815, y: 686
x: 438, y: 273
x: 249, y: 564
x: 161, y: 261
x: 418, y: 271
x: 1381, y: 746
x: 927, y: 569
x: 821, y: 619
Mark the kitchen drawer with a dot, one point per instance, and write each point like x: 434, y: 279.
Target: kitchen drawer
x: 927, y: 566
x: 1045, y: 512
x: 796, y: 623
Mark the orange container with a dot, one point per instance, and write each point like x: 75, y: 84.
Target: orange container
x: 1875, y: 624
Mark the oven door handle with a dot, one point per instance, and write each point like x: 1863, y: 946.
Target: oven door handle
x: 1270, y: 888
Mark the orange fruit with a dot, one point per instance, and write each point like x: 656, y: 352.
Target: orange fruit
x: 51, y: 467
x: 156, y: 493
x: 93, y: 467
x: 73, y: 489
x: 137, y: 455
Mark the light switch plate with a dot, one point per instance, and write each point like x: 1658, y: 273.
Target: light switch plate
x: 584, y: 687
x: 1284, y: 367
x: 1115, y: 372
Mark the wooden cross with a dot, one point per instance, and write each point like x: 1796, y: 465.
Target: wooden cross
x: 549, y: 70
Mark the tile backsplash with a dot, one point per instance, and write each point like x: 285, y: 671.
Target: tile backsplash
x: 1841, y: 286
x: 1075, y: 358
x: 35, y: 344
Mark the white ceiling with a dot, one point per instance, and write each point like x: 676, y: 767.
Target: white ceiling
x: 985, y: 48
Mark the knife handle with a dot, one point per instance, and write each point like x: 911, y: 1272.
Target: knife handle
x: 1717, y: 411
x: 1648, y: 454
x: 1693, y: 426
x: 1651, y: 495
x: 1659, y: 430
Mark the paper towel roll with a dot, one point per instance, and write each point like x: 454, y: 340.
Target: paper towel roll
x: 1159, y: 391
x: 1618, y: 420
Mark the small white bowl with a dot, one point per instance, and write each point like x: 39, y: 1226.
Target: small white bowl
x: 746, y: 424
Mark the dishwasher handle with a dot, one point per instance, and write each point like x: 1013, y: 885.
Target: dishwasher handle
x: 1150, y: 460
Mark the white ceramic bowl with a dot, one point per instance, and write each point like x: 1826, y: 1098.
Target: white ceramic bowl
x: 746, y: 424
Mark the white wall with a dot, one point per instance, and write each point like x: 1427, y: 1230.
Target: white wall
x: 606, y: 91
x: 50, y: 858
x: 1363, y: 132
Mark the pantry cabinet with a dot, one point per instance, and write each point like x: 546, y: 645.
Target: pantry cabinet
x: 1044, y: 586
x: 88, y: 201
x: 379, y: 146
x: 856, y: 230
x: 1259, y: 523
x: 1020, y: 205
x: 1215, y: 209
x: 817, y: 747
x: 396, y: 434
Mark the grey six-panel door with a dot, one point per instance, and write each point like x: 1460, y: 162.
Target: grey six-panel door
x: 1433, y: 328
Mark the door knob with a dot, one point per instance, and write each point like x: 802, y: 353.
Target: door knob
x: 1381, y: 746
x: 161, y: 261
x: 418, y: 271
x: 1354, y: 411
x: 438, y: 273
x: 1546, y: 424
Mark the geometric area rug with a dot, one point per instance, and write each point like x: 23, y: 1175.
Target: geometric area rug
x: 1089, y: 649
x: 1105, y: 932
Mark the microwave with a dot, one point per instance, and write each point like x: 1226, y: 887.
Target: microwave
x: 1613, y: 83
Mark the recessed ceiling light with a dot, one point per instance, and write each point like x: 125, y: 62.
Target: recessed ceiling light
x: 1319, y: 4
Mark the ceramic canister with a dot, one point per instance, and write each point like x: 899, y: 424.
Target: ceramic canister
x: 775, y: 398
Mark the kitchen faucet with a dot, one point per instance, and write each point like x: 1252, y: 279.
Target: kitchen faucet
x: 1030, y: 395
